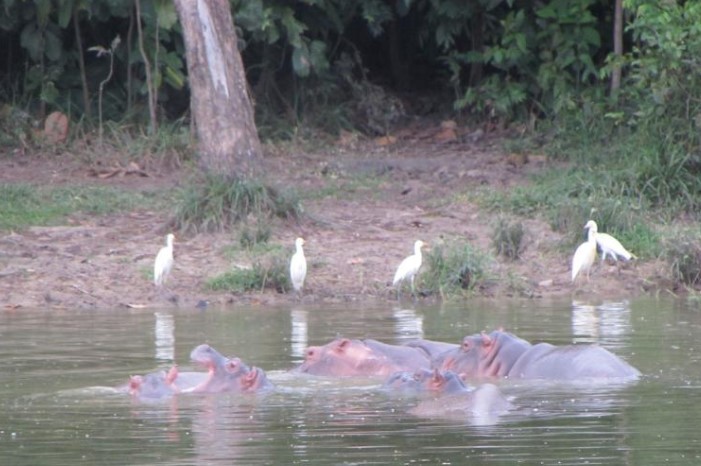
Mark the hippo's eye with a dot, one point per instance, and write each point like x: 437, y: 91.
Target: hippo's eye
x: 232, y: 365
x: 466, y: 345
x: 310, y: 352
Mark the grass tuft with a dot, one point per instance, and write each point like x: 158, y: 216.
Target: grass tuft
x: 219, y: 203
x: 271, y: 274
x: 683, y: 253
x: 507, y: 238
x: 455, y: 269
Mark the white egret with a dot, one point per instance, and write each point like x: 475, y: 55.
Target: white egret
x: 609, y: 245
x: 164, y: 261
x: 408, y: 268
x: 585, y: 254
x: 298, y: 266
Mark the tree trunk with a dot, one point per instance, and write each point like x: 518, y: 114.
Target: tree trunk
x: 228, y: 141
x: 617, y: 47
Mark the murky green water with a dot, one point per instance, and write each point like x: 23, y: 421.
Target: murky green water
x: 57, y: 405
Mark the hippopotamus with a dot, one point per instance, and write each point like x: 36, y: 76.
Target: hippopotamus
x: 226, y: 374
x: 223, y: 375
x: 426, y: 381
x: 152, y: 386
x: 444, y: 394
x: 503, y: 354
x: 432, y: 348
x: 344, y: 357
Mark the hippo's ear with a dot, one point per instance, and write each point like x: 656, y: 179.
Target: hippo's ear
x: 486, y: 339
x: 342, y: 343
x: 249, y: 379
x: 135, y: 382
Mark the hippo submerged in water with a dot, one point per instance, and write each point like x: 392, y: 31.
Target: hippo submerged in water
x: 223, y: 375
x: 502, y: 354
x: 444, y: 394
x: 344, y: 357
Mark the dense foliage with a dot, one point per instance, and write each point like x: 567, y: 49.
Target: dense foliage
x: 499, y: 59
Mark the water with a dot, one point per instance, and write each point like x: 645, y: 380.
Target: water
x: 58, y: 370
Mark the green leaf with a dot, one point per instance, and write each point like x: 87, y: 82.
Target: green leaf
x: 547, y: 12
x: 167, y: 16
x: 53, y: 46
x: 43, y: 11
x: 49, y: 93
x: 301, y: 62
x: 30, y: 40
x: 294, y: 28
x: 65, y: 12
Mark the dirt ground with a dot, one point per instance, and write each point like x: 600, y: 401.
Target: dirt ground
x: 354, y: 242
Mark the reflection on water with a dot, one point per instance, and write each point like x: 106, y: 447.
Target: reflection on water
x: 299, y: 339
x: 165, y: 337
x: 608, y: 323
x: 57, y: 407
x: 408, y: 324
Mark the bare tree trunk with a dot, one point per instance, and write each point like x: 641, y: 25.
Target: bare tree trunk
x: 153, y: 127
x: 81, y: 66
x: 617, y: 47
x: 227, y: 137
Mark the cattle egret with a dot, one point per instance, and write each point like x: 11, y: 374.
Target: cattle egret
x: 585, y: 254
x: 298, y: 266
x: 609, y: 245
x: 164, y: 262
x: 408, y: 269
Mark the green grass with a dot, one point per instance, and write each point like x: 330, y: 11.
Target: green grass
x: 270, y: 273
x: 25, y: 205
x: 455, y: 269
x: 682, y: 250
x: 567, y: 199
x: 507, y: 238
x: 218, y: 203
x: 339, y: 187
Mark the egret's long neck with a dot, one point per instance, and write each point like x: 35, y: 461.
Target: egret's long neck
x: 417, y: 250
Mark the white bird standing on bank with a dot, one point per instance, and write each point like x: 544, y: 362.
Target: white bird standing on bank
x: 298, y: 266
x: 609, y: 245
x: 408, y: 269
x: 164, y: 262
x: 585, y: 254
